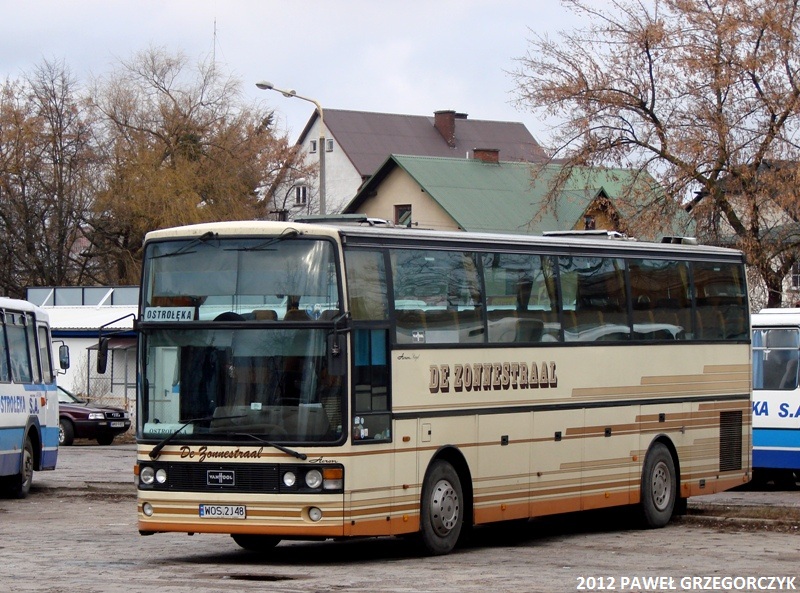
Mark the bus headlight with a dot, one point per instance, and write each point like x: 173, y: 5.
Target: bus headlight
x: 314, y: 514
x: 147, y: 475
x: 161, y: 476
x: 289, y: 479
x: 314, y: 479
x: 147, y: 509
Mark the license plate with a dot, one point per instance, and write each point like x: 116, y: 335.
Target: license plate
x: 222, y: 511
x: 117, y: 424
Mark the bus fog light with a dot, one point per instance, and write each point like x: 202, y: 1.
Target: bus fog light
x: 147, y: 475
x: 314, y: 479
x: 147, y: 509
x: 314, y: 514
x: 161, y: 476
x: 289, y: 479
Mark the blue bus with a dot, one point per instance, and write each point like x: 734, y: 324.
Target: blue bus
x: 28, y: 397
x: 776, y: 395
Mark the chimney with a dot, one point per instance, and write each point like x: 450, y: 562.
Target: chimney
x: 445, y: 123
x: 487, y: 155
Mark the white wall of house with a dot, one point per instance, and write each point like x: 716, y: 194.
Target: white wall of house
x: 341, y: 177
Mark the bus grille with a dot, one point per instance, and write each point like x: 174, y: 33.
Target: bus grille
x: 194, y: 477
x: 730, y: 440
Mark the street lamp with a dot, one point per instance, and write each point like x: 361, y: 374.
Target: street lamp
x: 268, y: 86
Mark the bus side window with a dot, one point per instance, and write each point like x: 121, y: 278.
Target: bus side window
x: 366, y: 285
x: 4, y: 370
x: 18, y: 349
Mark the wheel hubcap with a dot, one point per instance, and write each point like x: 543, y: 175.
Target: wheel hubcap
x: 445, y: 507
x: 661, y: 486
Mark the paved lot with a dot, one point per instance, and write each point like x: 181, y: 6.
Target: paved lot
x: 77, y: 533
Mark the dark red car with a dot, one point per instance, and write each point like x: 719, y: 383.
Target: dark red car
x: 78, y: 419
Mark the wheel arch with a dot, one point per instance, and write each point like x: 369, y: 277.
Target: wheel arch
x: 33, y: 431
x: 673, y: 451
x: 453, y: 455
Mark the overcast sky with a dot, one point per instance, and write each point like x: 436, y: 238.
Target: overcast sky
x: 402, y: 56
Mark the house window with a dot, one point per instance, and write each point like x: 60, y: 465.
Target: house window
x: 329, y: 145
x: 796, y: 275
x: 312, y: 146
x: 402, y: 215
x: 588, y: 223
x: 300, y: 195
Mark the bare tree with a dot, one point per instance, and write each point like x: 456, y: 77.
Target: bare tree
x: 181, y: 148
x: 702, y: 94
x: 47, y: 167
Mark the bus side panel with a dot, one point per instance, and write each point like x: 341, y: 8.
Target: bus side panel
x: 610, y: 469
x: 11, y: 439
x: 776, y: 429
x: 48, y: 418
x: 556, y: 458
x: 503, y: 463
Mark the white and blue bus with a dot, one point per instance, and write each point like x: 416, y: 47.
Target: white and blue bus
x: 28, y: 398
x: 776, y: 394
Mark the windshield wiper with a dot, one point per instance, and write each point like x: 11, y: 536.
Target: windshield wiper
x: 157, y: 449
x: 287, y: 234
x: 205, y: 237
x: 301, y: 456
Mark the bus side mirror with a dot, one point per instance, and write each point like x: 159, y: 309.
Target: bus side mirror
x: 63, y: 357
x: 102, y: 355
x: 337, y: 354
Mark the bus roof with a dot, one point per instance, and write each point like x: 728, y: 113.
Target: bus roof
x: 402, y: 236
x: 23, y: 306
x: 776, y: 317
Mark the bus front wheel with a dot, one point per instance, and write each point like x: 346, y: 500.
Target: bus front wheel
x: 256, y: 543
x: 442, y: 511
x: 659, y: 487
x: 21, y: 483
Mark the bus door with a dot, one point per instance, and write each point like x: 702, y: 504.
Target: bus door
x: 776, y: 397
x: 370, y: 487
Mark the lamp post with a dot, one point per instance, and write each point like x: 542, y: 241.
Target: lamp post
x: 268, y: 86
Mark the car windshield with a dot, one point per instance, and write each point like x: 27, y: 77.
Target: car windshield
x: 65, y: 397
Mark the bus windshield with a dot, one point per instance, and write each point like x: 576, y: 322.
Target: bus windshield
x: 268, y: 383
x: 256, y: 279
x: 245, y: 352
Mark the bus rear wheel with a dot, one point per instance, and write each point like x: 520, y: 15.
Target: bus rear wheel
x: 659, y: 487
x: 256, y: 543
x: 442, y: 511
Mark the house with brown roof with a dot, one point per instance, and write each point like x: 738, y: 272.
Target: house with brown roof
x: 358, y: 142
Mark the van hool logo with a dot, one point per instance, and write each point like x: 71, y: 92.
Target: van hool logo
x: 492, y: 376
x: 220, y: 478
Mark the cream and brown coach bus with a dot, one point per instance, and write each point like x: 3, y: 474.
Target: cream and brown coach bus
x: 333, y: 380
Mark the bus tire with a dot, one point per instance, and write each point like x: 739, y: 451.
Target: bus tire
x: 20, y: 484
x: 659, y: 487
x: 442, y: 510
x: 256, y: 543
x: 66, y: 432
